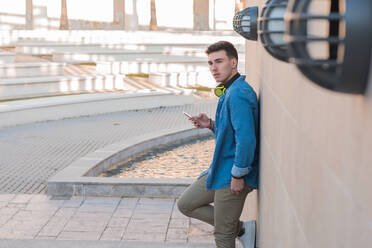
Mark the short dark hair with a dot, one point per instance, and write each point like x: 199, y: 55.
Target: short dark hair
x: 223, y: 45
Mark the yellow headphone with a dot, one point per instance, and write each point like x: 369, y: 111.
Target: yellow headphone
x: 219, y: 90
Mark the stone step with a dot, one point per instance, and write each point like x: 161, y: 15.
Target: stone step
x: 76, y: 57
x: 60, y: 107
x: 126, y: 67
x: 183, y: 79
x: 15, y: 88
x: 114, y: 37
x: 155, y: 66
x: 6, y: 57
x: 35, y: 69
x: 42, y: 48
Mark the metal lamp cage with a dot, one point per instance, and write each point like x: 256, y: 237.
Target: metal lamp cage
x: 269, y: 16
x: 245, y: 23
x: 349, y: 46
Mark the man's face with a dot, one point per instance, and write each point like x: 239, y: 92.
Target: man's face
x: 221, y: 66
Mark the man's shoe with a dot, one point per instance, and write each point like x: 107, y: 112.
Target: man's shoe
x: 249, y: 237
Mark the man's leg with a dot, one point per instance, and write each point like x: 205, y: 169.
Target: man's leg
x: 227, y: 211
x: 195, y: 201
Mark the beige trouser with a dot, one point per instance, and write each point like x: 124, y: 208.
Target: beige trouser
x: 224, y: 215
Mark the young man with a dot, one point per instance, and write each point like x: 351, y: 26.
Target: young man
x: 233, y: 172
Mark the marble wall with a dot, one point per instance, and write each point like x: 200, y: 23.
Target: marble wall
x: 316, y: 160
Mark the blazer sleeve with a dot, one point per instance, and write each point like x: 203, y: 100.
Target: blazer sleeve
x: 241, y: 110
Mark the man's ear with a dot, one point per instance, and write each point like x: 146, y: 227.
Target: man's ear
x: 235, y: 63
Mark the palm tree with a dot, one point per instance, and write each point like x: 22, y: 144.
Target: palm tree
x: 153, y: 21
x: 63, y: 25
x: 239, y: 5
x: 29, y: 15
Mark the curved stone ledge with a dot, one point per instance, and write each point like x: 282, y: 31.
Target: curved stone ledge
x: 79, y: 178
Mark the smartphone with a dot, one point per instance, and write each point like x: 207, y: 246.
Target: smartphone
x: 188, y: 115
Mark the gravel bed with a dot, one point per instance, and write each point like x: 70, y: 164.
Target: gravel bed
x: 178, y: 160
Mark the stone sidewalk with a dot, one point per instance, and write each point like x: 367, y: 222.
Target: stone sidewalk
x: 40, y: 217
x: 31, y: 153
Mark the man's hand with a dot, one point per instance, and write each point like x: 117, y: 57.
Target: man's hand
x: 200, y: 121
x: 237, y: 186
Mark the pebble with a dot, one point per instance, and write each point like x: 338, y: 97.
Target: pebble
x: 178, y: 160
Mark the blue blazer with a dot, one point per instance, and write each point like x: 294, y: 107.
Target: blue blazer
x: 236, y: 133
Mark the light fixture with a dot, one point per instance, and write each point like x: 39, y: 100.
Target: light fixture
x: 271, y: 29
x: 245, y: 22
x: 336, y: 55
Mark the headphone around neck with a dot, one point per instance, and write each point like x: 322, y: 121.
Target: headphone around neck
x: 219, y: 90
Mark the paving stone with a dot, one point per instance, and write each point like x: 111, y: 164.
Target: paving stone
x: 45, y: 237
x: 6, y: 197
x: 8, y: 212
x: 21, y: 198
x: 45, y: 201
x: 177, y: 234
x: 10, y: 233
x: 4, y: 219
x: 17, y: 205
x: 53, y: 228
x: 39, y: 198
x: 148, y: 210
x: 33, y: 215
x: 123, y: 212
x: 84, y: 226
x: 128, y: 203
x: 97, y: 208
x: 34, y: 224
x: 110, y: 201
x: 45, y: 207
x: 112, y: 233
x: 65, y: 213
x: 201, y: 239
x: 179, y: 223
x: 157, y: 205
x: 73, y: 202
x: 57, y: 223
x: 101, y: 216
x: 201, y: 229
x: 158, y: 217
x: 118, y: 222
x: 160, y: 206
x: 155, y: 201
x: 145, y: 237
x: 146, y: 229
x: 149, y: 221
x: 66, y: 235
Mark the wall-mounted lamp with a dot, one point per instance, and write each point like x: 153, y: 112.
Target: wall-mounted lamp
x: 271, y: 29
x: 245, y: 23
x: 346, y: 52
